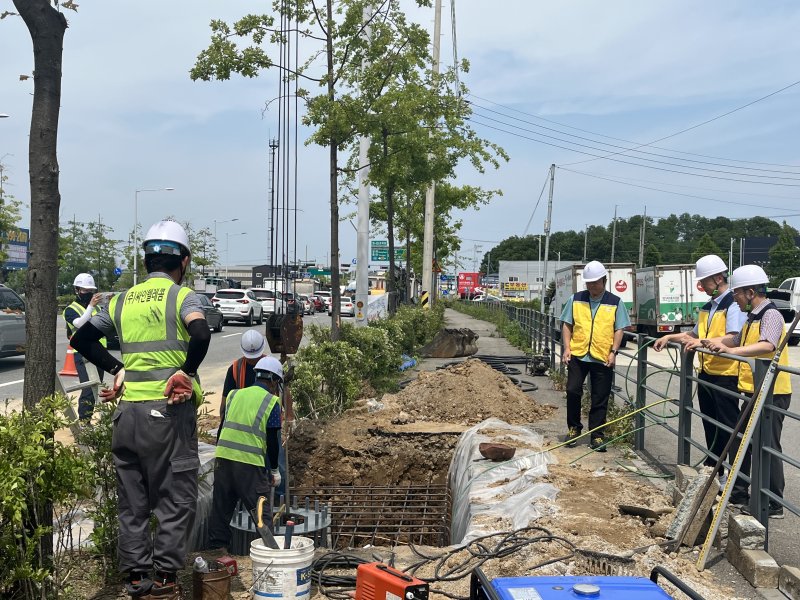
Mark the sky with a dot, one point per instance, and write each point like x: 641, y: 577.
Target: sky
x: 131, y: 118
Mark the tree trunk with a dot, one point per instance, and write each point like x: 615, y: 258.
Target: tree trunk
x: 47, y: 27
x: 408, y: 251
x: 391, y: 284
x: 334, y: 192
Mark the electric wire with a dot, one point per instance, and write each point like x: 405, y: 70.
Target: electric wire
x: 703, y: 162
x: 544, y: 185
x: 540, y: 118
x: 642, y: 158
x: 706, y: 122
x: 519, y: 135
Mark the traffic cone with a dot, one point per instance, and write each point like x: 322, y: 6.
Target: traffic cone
x: 69, y: 369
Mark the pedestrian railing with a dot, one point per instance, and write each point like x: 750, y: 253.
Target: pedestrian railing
x: 641, y: 381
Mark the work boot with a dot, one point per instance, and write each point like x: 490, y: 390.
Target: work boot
x: 598, y: 444
x: 169, y: 591
x: 572, y: 437
x: 138, y: 585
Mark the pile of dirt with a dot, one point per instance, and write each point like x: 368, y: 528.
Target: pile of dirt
x: 410, y: 439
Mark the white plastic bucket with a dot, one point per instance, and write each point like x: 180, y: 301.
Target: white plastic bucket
x: 282, y: 574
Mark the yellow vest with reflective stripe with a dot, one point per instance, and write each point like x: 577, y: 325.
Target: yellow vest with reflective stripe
x: 80, y: 309
x: 711, y: 364
x: 243, y: 435
x: 751, y: 332
x: 153, y: 339
x: 593, y: 335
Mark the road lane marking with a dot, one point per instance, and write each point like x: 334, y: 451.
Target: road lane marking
x: 231, y: 335
x: 11, y: 382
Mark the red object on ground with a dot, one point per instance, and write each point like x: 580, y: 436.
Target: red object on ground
x: 229, y: 563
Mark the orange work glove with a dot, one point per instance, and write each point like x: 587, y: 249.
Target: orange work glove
x: 117, y: 386
x: 179, y: 388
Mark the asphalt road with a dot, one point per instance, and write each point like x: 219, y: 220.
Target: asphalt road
x: 223, y: 350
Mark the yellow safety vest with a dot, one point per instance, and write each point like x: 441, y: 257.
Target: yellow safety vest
x: 593, y: 334
x: 243, y: 435
x: 751, y: 332
x: 152, y: 337
x: 80, y: 309
x: 711, y: 364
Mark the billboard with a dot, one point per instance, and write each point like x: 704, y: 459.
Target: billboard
x: 16, y: 242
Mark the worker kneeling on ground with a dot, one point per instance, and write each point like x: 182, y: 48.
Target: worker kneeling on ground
x: 163, y: 338
x: 249, y: 433
x: 592, y: 333
x: 760, y: 337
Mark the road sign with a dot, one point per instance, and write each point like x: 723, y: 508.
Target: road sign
x: 117, y: 271
x: 380, y: 254
x: 379, y: 243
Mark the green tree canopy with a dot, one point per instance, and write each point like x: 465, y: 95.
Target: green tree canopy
x: 784, y: 257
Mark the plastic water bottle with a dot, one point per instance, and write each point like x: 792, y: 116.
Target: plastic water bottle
x: 200, y: 565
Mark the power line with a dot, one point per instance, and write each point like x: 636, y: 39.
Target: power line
x: 644, y: 187
x: 631, y: 163
x: 661, y: 162
x: 544, y: 185
x: 703, y: 162
x: 540, y: 118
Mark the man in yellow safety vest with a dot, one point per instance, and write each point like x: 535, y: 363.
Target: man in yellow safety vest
x: 248, y: 445
x: 163, y: 338
x: 760, y: 337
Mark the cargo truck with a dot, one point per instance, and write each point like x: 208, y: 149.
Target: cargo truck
x: 668, y: 299
x: 467, y: 284
x: 621, y: 281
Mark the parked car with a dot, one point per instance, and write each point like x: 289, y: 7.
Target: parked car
x: 240, y: 305
x: 214, y: 317
x: 308, y: 306
x: 293, y: 306
x: 12, y: 323
x: 269, y: 303
x: 347, y: 306
x: 318, y: 302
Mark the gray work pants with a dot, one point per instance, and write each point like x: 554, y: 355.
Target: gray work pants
x: 155, y: 453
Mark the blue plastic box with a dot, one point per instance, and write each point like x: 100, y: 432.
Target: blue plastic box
x: 574, y: 588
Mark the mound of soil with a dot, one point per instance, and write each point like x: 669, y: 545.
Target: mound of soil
x: 411, y: 439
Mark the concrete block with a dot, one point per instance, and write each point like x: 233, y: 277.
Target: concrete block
x: 758, y: 567
x: 677, y: 496
x: 745, y: 532
x: 789, y: 582
x: 694, y: 507
x: 683, y: 475
x: 732, y: 553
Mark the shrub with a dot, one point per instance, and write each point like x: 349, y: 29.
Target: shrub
x: 36, y: 472
x: 326, y: 379
x: 412, y: 327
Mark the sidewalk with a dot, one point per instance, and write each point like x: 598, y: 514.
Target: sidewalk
x: 554, y: 428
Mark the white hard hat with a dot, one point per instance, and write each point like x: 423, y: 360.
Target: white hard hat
x: 166, y: 237
x: 594, y: 271
x: 84, y: 280
x: 253, y: 344
x: 748, y: 276
x: 269, y: 364
x: 709, y: 265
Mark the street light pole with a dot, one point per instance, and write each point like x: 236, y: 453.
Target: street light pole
x: 136, y: 226
x: 228, y: 234
x: 216, y: 267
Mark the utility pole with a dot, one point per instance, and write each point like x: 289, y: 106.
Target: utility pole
x: 273, y: 145
x: 730, y: 258
x: 362, y: 236
x: 547, y: 234
x: 430, y: 205
x: 642, y: 231
x: 475, y: 248
x: 585, y: 239
x: 614, y: 234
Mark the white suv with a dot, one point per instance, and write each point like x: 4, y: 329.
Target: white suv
x: 241, y: 305
x: 268, y: 301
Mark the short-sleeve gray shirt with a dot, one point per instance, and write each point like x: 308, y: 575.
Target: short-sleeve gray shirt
x: 191, y: 304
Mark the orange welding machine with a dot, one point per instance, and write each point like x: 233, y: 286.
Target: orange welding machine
x: 377, y: 581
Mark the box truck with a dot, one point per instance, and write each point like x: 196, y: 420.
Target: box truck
x: 621, y: 281
x: 668, y: 299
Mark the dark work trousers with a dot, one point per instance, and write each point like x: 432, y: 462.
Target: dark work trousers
x: 86, y: 400
x: 720, y: 407
x: 776, y: 479
x: 155, y: 453
x: 233, y: 481
x: 601, y: 377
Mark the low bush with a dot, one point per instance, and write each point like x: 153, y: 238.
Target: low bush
x: 412, y: 327
x: 326, y: 379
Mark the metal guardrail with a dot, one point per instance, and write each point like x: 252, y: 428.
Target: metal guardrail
x: 544, y: 335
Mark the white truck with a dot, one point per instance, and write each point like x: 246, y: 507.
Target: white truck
x: 668, y: 299
x: 621, y: 280
x: 787, y: 298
